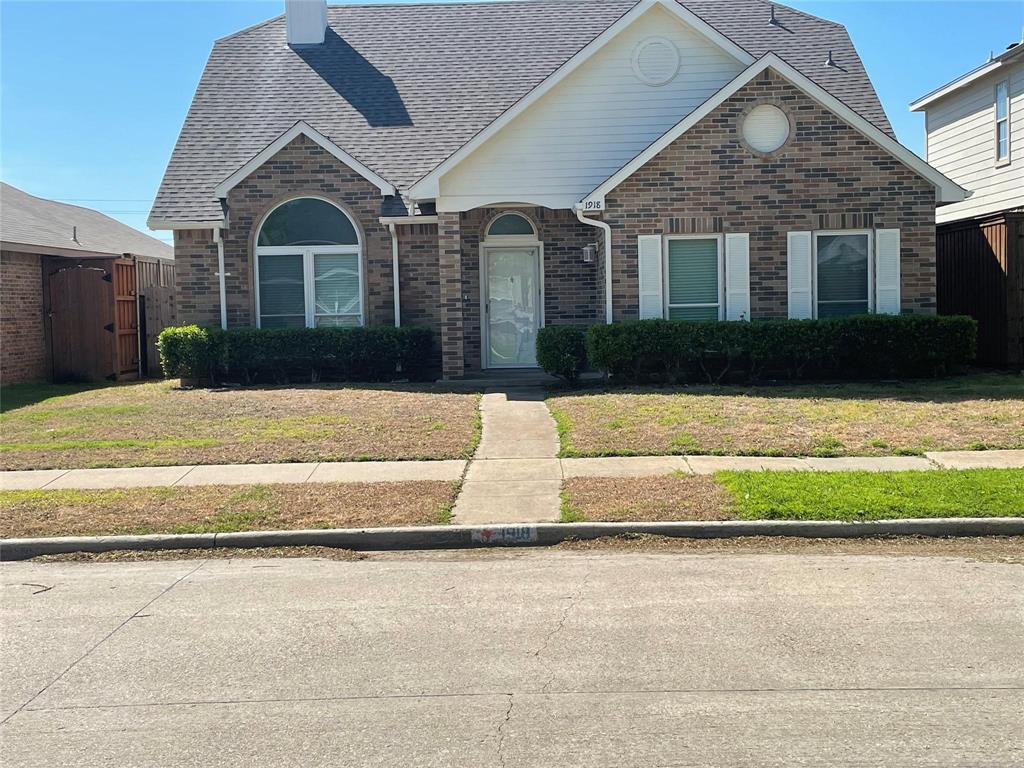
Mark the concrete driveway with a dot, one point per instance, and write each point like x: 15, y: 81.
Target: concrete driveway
x: 537, y: 658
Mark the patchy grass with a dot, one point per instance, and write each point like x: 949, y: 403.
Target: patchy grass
x: 875, y: 495
x: 797, y: 496
x: 156, y: 423
x: 862, y: 419
x: 221, y: 508
x: 642, y: 499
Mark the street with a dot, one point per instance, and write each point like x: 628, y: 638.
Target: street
x: 528, y: 658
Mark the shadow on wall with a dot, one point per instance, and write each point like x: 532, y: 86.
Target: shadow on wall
x: 367, y: 89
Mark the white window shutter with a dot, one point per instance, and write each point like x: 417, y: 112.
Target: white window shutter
x: 887, y: 271
x: 798, y: 275
x: 737, y: 276
x: 648, y: 250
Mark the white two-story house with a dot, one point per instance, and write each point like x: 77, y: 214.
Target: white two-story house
x: 974, y: 129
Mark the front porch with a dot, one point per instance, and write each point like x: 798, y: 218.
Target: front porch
x: 505, y: 272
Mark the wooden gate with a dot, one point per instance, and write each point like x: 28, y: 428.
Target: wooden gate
x: 81, y: 324
x: 126, y: 320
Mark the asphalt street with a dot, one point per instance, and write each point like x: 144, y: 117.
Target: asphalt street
x: 540, y: 658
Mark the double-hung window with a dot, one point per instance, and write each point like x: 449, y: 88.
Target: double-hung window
x: 308, y: 267
x: 694, y: 280
x: 1003, y: 121
x: 843, y: 272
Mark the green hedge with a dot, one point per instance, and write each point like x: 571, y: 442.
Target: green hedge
x: 867, y: 346
x: 279, y: 356
x: 561, y: 350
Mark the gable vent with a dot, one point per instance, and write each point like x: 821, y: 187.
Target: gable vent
x: 655, y: 61
x: 766, y: 128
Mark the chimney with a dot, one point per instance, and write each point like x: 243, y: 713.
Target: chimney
x: 307, y: 21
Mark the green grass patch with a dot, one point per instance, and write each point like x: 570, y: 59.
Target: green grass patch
x: 564, y: 425
x: 875, y: 495
x: 569, y: 513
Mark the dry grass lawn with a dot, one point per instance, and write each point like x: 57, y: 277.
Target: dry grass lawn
x: 803, y: 420
x: 155, y: 423
x: 221, y: 508
x: 642, y: 499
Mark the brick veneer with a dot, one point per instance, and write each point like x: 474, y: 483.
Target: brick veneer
x: 195, y: 275
x: 22, y: 342
x: 828, y: 176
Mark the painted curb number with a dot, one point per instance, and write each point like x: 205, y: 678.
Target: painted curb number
x: 506, y: 534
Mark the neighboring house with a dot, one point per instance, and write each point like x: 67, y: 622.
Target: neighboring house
x: 974, y: 133
x: 71, y: 284
x: 485, y: 169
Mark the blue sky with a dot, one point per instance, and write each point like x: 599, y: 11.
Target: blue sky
x: 92, y: 94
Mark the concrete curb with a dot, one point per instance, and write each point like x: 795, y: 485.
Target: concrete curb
x: 540, y: 534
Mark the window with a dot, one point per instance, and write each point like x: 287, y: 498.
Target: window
x: 1003, y: 121
x: 510, y: 224
x: 308, y: 267
x: 694, y: 278
x: 843, y: 267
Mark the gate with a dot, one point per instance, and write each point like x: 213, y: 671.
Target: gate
x: 81, y: 324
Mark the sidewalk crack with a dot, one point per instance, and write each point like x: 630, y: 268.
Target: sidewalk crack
x: 566, y: 611
x: 501, y: 730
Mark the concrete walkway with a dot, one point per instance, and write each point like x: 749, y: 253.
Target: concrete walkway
x: 515, y: 476
x: 490, y: 476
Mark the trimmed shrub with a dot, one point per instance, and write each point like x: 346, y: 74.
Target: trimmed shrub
x: 561, y: 350
x: 868, y: 346
x: 283, y: 355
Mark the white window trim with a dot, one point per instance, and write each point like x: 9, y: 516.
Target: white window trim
x: 814, y: 264
x: 308, y: 271
x: 1001, y: 161
x: 720, y: 241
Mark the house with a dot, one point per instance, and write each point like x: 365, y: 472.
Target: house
x: 488, y: 168
x: 974, y: 133
x: 74, y: 287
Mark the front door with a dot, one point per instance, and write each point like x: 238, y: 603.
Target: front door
x: 512, y: 306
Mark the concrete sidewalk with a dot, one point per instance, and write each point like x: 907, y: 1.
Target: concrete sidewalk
x: 509, y: 476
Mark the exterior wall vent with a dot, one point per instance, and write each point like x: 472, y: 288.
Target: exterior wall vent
x: 655, y: 61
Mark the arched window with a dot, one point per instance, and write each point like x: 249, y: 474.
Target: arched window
x: 510, y: 224
x: 308, y: 266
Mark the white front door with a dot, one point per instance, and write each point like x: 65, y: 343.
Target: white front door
x: 512, y: 306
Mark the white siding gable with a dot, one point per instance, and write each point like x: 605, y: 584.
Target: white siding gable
x: 961, y: 144
x: 592, y: 123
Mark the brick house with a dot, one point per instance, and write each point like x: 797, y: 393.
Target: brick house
x: 487, y: 169
x: 72, y: 282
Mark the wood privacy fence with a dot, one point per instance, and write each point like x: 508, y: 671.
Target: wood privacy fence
x: 103, y: 316
x: 980, y: 272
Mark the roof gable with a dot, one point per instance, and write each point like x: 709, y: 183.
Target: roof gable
x: 301, y: 128
x: 403, y: 87
x: 427, y: 187
x: 947, y: 190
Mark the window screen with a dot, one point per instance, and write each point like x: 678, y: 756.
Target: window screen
x: 842, y: 275
x: 693, y: 279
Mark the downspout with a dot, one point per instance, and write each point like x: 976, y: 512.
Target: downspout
x: 607, y: 260
x: 394, y: 273
x: 219, y: 240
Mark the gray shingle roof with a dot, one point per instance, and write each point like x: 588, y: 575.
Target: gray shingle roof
x: 36, y: 221
x: 402, y: 87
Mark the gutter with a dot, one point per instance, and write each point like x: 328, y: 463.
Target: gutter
x: 603, y: 225
x: 394, y: 273
x: 219, y: 240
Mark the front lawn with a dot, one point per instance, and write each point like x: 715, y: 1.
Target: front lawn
x: 221, y: 508
x: 862, y: 419
x: 156, y: 423
x: 798, y: 496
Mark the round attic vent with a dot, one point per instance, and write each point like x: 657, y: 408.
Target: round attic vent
x: 765, y: 128
x: 655, y: 60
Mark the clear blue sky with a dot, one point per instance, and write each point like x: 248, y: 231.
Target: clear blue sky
x: 92, y: 94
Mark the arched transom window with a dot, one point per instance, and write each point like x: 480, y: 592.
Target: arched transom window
x: 308, y: 266
x: 510, y: 224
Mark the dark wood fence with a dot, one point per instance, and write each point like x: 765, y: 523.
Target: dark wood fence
x: 980, y: 272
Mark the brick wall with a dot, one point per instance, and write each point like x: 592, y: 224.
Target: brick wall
x: 828, y: 176
x: 22, y: 341
x: 195, y: 274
